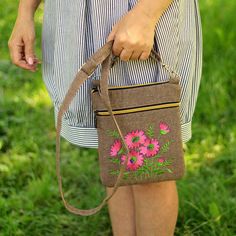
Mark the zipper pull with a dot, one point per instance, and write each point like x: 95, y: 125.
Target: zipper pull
x: 174, y: 79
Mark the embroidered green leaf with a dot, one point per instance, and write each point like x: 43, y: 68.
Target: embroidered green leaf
x: 121, y: 151
x: 113, y: 133
x: 165, y: 147
x: 169, y: 170
x: 115, y: 160
x: 168, y: 162
x: 138, y: 173
x: 126, y: 175
x: 158, y: 171
x: 150, y: 131
x: 156, y: 156
x: 163, y: 132
x: 114, y: 172
x: 160, y: 164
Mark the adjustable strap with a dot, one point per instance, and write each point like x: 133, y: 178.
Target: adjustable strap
x: 102, y: 56
x: 86, y: 70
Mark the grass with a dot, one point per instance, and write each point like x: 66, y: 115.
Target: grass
x: 29, y: 200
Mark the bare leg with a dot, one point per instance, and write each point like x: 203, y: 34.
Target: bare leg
x: 156, y: 208
x: 121, y: 211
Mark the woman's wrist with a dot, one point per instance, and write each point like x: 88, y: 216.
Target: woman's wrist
x: 27, y: 8
x: 153, y: 9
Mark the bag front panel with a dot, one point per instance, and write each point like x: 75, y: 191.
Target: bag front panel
x: 155, y: 146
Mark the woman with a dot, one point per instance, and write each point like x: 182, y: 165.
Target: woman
x: 72, y: 31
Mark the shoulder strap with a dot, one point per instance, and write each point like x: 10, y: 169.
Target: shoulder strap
x: 102, y: 56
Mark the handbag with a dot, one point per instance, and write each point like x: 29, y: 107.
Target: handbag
x: 139, y: 129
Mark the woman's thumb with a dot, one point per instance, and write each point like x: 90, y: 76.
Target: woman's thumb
x: 29, y: 51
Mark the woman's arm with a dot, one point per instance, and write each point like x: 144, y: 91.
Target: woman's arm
x: 27, y: 8
x: 133, y: 34
x: 153, y: 8
x: 22, y: 39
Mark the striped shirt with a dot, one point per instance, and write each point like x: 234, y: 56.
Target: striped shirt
x: 73, y: 30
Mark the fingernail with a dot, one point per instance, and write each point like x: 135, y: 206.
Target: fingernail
x: 30, y: 61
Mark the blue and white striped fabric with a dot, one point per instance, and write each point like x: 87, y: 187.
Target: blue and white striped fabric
x: 73, y: 30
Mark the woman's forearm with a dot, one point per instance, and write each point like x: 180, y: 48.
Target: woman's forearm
x: 27, y: 8
x: 153, y: 8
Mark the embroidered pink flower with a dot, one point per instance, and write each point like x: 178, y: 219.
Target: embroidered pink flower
x: 161, y: 160
x: 150, y: 147
x: 135, y: 160
x: 115, y: 148
x: 135, y: 138
x: 164, y: 128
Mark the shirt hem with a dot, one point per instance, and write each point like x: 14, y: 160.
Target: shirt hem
x: 87, y: 137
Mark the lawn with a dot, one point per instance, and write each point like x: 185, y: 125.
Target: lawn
x: 29, y: 199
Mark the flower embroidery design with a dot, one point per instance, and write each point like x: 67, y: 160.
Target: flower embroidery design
x: 150, y: 147
x: 161, y: 160
x: 115, y: 148
x: 164, y: 128
x: 135, y: 138
x: 146, y: 152
x: 135, y: 160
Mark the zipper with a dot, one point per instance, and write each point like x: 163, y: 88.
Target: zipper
x: 138, y: 109
x: 131, y: 86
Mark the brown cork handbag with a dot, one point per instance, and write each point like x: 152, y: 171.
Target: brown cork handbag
x: 139, y: 129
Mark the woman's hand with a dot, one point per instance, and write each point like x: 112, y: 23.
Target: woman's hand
x: 133, y: 35
x: 21, y: 44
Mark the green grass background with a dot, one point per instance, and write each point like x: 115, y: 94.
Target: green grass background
x: 29, y: 200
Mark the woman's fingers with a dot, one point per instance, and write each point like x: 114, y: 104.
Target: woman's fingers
x: 133, y: 36
x: 21, y: 45
x: 29, y: 51
x: 136, y: 55
x: 144, y: 55
x: 16, y: 54
x: 111, y: 36
x: 116, y: 48
x: 126, y: 54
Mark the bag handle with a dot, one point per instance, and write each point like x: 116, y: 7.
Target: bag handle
x: 156, y: 57
x: 101, y: 56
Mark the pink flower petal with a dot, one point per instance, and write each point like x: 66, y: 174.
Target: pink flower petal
x: 135, y: 138
x: 150, y: 147
x: 135, y: 160
x: 164, y: 128
x: 115, y: 148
